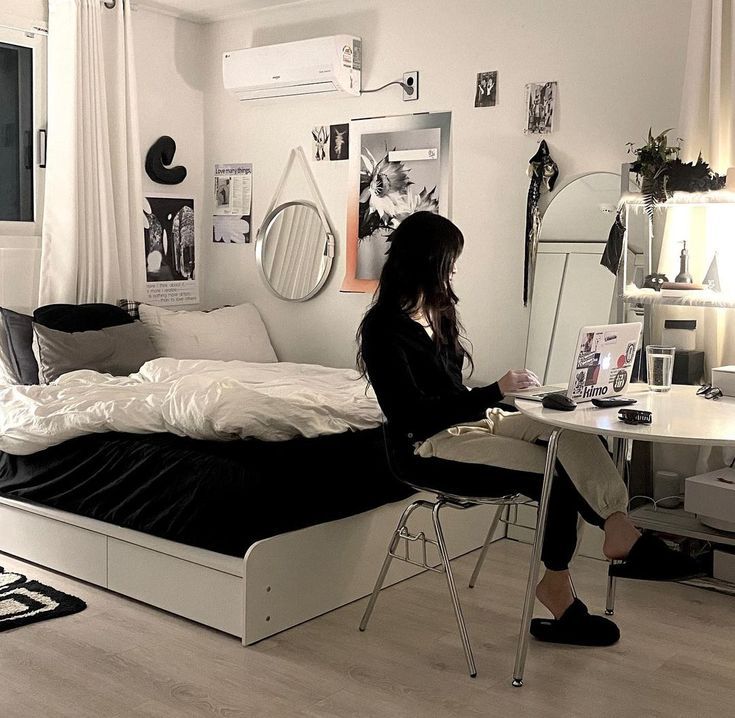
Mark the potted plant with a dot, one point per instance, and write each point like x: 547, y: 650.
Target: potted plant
x: 660, y: 171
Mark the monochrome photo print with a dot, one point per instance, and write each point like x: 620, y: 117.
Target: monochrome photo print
x: 540, y: 107
x: 486, y: 88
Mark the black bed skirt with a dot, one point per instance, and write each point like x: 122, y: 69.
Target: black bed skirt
x: 221, y: 496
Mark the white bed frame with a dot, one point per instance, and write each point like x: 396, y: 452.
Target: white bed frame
x: 281, y: 581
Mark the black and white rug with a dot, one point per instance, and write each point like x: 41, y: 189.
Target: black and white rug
x: 23, y: 601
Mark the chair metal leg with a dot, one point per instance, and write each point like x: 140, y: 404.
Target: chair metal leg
x: 387, y: 562
x: 491, y: 532
x: 533, y: 569
x: 453, y: 589
x: 610, y: 599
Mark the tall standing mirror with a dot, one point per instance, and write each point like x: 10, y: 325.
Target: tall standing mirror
x: 571, y: 288
x: 294, y: 251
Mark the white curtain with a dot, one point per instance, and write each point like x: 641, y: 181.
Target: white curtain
x: 93, y: 210
x: 707, y: 124
x: 707, y: 121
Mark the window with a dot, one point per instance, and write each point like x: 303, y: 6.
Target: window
x: 16, y: 133
x: 22, y: 117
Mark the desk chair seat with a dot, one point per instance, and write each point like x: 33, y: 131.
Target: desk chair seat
x: 449, y: 499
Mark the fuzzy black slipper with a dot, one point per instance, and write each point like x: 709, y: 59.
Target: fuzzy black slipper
x: 651, y: 559
x: 576, y: 627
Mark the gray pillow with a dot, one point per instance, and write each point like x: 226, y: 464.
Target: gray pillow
x: 8, y: 372
x: 117, y: 350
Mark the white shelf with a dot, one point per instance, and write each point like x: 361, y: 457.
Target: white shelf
x: 679, y: 522
x: 683, y: 199
x: 692, y: 298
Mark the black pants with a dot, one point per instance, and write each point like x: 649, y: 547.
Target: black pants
x: 479, y: 480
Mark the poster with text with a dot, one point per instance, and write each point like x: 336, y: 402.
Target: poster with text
x: 398, y: 166
x: 170, y: 250
x: 233, y: 199
x: 233, y: 189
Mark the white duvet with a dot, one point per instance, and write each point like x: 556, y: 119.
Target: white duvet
x: 201, y: 399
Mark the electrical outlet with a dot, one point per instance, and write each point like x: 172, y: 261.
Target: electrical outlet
x: 412, y: 80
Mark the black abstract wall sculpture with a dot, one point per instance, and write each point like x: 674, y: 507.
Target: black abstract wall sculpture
x: 159, y: 155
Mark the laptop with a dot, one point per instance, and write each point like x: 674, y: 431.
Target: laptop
x: 602, y: 364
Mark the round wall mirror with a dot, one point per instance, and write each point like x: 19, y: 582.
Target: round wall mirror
x: 294, y: 251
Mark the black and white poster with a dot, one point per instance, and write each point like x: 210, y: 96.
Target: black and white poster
x: 170, y: 250
x: 398, y: 166
x: 486, y: 88
x: 540, y: 107
x: 339, y: 142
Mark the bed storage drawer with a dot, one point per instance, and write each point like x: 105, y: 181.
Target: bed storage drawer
x: 66, y: 548
x: 188, y: 589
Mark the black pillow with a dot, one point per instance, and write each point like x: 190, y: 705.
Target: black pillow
x: 19, y: 329
x: 82, y: 317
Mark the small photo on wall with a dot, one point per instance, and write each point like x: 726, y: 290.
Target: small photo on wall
x: 540, y: 107
x: 339, y: 142
x: 320, y: 135
x: 486, y: 89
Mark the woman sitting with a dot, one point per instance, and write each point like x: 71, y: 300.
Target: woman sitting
x: 442, y: 434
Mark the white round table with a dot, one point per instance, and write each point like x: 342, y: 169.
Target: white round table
x: 679, y: 416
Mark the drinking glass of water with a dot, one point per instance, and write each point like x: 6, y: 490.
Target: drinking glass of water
x: 660, y: 366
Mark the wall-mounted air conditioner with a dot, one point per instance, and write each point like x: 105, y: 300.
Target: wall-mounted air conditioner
x: 320, y: 65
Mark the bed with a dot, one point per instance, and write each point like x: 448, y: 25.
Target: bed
x: 287, y: 518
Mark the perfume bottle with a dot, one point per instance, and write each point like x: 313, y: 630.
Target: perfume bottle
x: 684, y: 277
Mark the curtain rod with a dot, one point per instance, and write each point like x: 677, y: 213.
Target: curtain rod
x: 40, y: 29
x: 31, y: 31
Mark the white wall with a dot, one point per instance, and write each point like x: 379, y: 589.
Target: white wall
x: 619, y: 67
x: 34, y: 10
x: 168, y: 54
x: 168, y: 60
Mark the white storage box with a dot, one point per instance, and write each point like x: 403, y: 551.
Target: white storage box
x: 723, y: 566
x: 724, y: 378
x: 712, y: 497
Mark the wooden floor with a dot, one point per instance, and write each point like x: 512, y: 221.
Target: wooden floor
x: 120, y: 658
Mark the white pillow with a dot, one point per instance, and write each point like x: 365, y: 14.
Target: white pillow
x: 227, y: 334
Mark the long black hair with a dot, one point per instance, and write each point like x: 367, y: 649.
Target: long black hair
x: 417, y: 276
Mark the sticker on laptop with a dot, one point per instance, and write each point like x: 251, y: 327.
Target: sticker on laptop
x: 619, y: 379
x: 579, y: 383
x: 591, y: 342
x: 587, y: 359
x: 630, y: 353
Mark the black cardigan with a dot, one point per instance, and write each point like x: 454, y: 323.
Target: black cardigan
x: 419, y: 386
